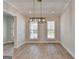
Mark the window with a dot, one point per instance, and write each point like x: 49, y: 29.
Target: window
x: 33, y: 30
x: 51, y: 29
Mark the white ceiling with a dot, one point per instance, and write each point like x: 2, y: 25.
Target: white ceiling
x: 26, y: 6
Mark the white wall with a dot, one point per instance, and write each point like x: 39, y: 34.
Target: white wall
x: 20, y: 30
x: 42, y: 30
x: 19, y: 20
x: 8, y: 28
x: 67, y: 28
x: 4, y: 28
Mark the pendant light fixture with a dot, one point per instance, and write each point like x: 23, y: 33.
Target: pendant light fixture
x: 40, y: 19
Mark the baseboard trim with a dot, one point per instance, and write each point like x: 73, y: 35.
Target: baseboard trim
x: 67, y: 50
x: 36, y: 42
x: 8, y: 42
x: 18, y: 46
x: 42, y: 42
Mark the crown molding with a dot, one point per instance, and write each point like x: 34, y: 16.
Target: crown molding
x: 66, y: 5
x: 9, y: 3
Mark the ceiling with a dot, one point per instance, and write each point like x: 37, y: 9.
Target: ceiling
x: 49, y: 7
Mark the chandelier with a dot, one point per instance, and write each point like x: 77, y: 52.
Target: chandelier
x: 39, y: 19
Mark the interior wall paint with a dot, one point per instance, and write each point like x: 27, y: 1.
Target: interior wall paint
x: 10, y: 9
x: 20, y: 25
x: 42, y: 30
x: 4, y: 28
x: 68, y: 28
x: 8, y: 28
x: 21, y: 30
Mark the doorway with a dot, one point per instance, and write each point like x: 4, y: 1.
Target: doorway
x: 8, y: 35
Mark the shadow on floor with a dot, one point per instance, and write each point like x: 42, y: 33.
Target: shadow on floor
x: 7, y: 57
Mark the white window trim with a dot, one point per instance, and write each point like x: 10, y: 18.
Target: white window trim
x: 35, y: 39
x: 54, y: 30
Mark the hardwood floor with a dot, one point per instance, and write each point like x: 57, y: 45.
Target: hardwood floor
x: 7, y: 57
x: 41, y: 51
x: 8, y: 49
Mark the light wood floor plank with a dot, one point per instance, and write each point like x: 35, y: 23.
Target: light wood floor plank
x: 41, y: 51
